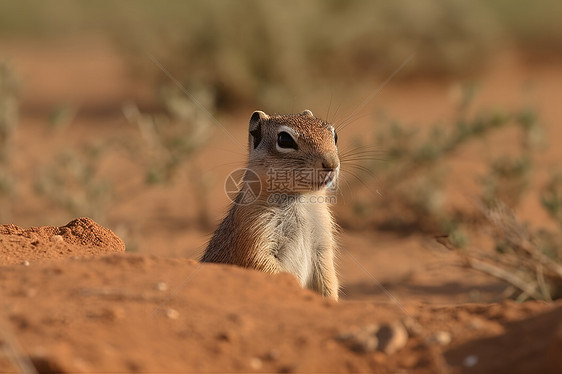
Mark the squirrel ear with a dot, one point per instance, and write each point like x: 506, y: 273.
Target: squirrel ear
x: 308, y: 113
x: 255, y: 136
x: 258, y: 116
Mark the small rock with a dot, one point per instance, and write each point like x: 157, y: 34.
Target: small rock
x: 224, y: 336
x: 25, y: 263
x: 470, y: 361
x: 116, y: 313
x: 57, y: 238
x: 172, y: 314
x: 272, y: 355
x: 441, y: 337
x: 412, y: 326
x: 161, y: 286
x: 392, y: 337
x: 475, y: 324
x: 387, y: 338
x: 81, y: 365
x: 362, y: 339
x: 256, y: 363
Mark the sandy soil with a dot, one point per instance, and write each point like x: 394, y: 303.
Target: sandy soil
x: 70, y: 302
x: 80, y: 238
x: 140, y: 313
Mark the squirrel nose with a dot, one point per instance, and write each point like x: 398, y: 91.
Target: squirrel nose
x: 330, y: 163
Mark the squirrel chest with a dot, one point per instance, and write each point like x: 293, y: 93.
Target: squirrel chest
x: 298, y: 237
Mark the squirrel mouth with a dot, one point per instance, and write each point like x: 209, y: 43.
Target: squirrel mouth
x: 328, y: 180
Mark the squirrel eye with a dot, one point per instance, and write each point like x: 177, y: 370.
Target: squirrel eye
x: 284, y: 140
x: 336, y: 137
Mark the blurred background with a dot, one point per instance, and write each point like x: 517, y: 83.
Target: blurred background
x: 134, y: 113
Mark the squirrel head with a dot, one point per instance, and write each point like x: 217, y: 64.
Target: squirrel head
x: 293, y: 152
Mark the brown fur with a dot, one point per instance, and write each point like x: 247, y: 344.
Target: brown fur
x: 294, y: 236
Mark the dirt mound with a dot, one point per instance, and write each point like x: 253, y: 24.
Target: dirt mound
x: 146, y: 314
x: 80, y: 237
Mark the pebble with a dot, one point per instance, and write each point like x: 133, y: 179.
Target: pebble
x: 362, y: 339
x: 57, y: 238
x: 387, y: 338
x: 25, y: 263
x: 161, y: 286
x: 172, y: 314
x: 475, y: 324
x: 442, y: 337
x: 470, y: 361
x: 392, y: 337
x: 256, y: 363
x: 412, y: 326
x: 272, y: 355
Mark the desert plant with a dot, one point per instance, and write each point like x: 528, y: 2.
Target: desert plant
x: 352, y: 42
x: 173, y: 138
x: 325, y: 44
x: 415, y: 166
x: 8, y: 110
x: 8, y: 125
x: 551, y: 197
x: 528, y: 260
x: 71, y: 181
x: 507, y: 180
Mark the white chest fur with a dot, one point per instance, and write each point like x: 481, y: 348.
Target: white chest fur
x: 301, y: 232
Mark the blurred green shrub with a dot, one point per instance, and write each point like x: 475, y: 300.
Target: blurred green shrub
x: 271, y: 53
x: 530, y: 260
x: 172, y: 138
x: 71, y: 181
x: 414, y: 172
x: 551, y: 198
x: 274, y: 53
x: 8, y: 124
x: 8, y: 110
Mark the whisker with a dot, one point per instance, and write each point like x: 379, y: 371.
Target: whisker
x: 229, y: 150
x: 336, y: 113
x: 362, y: 148
x: 362, y: 158
x: 347, y: 185
x: 361, y: 153
x: 240, y: 164
x: 347, y: 197
x: 363, y: 183
x: 354, y: 153
x: 381, y: 86
x: 365, y: 155
x: 351, y: 119
x: 342, y: 125
x: 329, y: 106
x: 364, y: 170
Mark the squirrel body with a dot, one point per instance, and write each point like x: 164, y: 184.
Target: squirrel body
x: 285, y: 227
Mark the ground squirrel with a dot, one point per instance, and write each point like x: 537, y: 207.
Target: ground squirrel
x: 286, y: 225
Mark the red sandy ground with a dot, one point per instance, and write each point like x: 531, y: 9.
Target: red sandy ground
x: 76, y: 305
x: 121, y: 313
